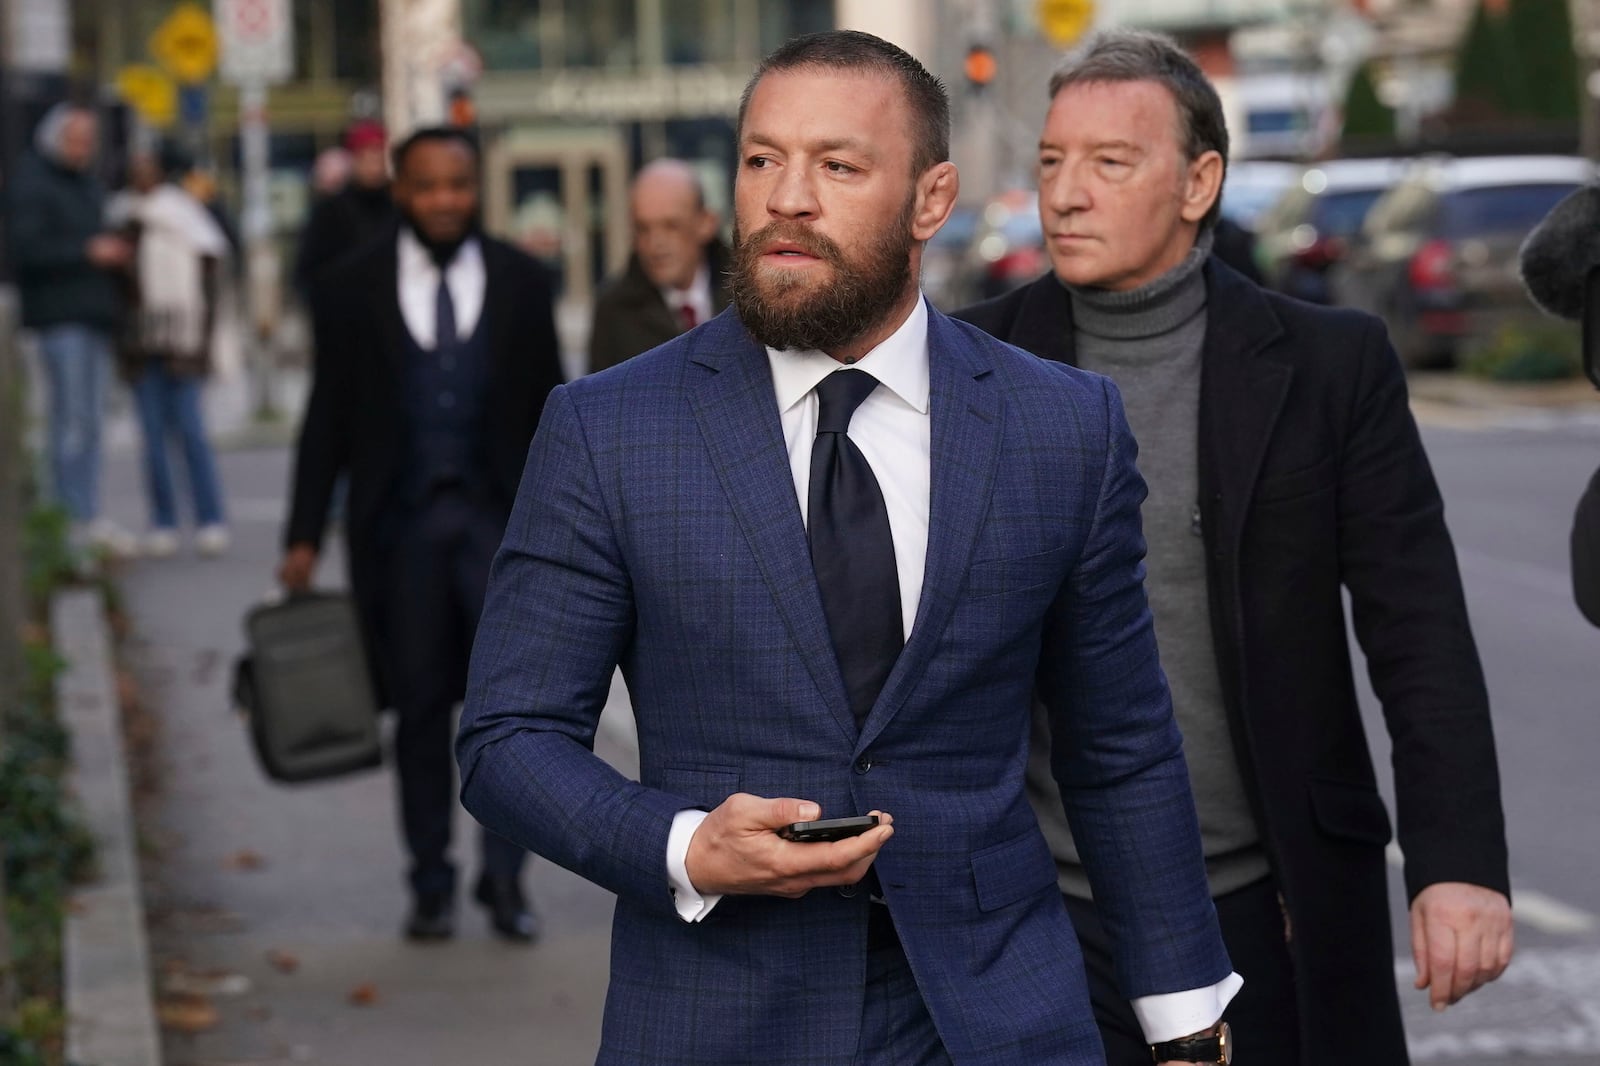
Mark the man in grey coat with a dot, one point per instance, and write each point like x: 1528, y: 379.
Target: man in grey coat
x: 677, y: 275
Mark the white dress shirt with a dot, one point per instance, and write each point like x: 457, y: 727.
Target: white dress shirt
x: 419, y: 288
x: 893, y: 431
x: 697, y: 296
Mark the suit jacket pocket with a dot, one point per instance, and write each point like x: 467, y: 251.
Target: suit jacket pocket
x: 705, y: 786
x: 1013, y: 870
x: 1306, y: 481
x: 995, y: 577
x: 1351, y: 811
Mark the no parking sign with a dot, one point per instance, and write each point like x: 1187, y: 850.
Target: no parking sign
x: 257, y: 41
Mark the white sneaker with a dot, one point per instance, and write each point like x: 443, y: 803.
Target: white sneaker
x: 161, y: 543
x: 106, y: 536
x: 212, y: 540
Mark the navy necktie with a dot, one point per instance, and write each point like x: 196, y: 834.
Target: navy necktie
x: 444, y: 317
x: 852, y: 550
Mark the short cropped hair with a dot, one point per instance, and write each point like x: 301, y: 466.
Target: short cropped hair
x: 1137, y: 55
x: 852, y: 50
x: 434, y: 135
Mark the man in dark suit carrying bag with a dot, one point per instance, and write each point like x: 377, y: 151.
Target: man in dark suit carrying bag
x: 436, y: 350
x: 835, y: 540
x: 1284, y: 468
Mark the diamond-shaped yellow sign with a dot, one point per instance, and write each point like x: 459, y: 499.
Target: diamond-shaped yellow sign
x: 185, y: 44
x: 1064, y: 21
x: 150, y: 92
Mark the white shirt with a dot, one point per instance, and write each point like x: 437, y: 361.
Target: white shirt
x: 697, y: 296
x: 893, y: 431
x: 419, y: 288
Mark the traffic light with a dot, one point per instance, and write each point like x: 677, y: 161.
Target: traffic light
x: 981, y: 67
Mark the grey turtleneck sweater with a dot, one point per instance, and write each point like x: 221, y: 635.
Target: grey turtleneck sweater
x: 1148, y: 341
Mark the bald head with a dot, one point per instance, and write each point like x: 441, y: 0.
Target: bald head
x: 671, y: 225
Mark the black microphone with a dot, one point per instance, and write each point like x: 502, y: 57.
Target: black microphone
x: 1561, y: 251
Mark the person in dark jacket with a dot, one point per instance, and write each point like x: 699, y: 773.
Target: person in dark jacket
x: 435, y: 351
x: 66, y: 263
x: 1284, y: 469
x: 1560, y: 264
x: 356, y: 214
x: 677, y: 275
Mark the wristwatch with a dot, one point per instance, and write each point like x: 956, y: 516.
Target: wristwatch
x: 1204, y: 1047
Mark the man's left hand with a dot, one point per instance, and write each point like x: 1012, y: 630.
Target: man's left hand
x: 1461, y: 939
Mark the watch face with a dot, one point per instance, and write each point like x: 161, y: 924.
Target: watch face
x: 1225, y: 1043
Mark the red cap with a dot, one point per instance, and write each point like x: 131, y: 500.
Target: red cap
x: 366, y: 133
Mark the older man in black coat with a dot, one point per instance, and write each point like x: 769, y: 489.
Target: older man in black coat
x: 436, y: 350
x: 1284, y: 468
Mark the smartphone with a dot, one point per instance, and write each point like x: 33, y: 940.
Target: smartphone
x: 827, y: 829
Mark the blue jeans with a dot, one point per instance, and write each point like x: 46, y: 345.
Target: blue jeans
x: 169, y: 406
x: 77, y: 360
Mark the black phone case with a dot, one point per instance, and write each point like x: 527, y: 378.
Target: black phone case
x: 828, y: 829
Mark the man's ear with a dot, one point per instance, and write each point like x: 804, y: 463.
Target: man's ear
x: 1202, y: 185
x: 936, y: 194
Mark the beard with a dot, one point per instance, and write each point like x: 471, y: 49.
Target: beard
x: 786, y: 310
x: 442, y: 252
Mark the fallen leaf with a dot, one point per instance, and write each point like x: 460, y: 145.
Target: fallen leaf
x: 364, y: 995
x: 245, y: 860
x: 186, y: 1012
x: 282, y: 961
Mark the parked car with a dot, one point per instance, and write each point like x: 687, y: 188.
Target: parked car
x: 1008, y: 248
x: 1437, y: 256
x: 1254, y: 185
x: 943, y: 257
x: 1308, y: 230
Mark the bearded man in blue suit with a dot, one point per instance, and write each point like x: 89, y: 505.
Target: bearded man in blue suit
x: 836, y: 542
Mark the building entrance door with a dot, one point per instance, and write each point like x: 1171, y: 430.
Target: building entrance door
x: 562, y: 196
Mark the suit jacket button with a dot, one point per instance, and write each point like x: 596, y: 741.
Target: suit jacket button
x: 863, y: 764
x: 848, y: 891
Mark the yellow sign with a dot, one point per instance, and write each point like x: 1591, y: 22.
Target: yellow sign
x: 150, y: 92
x: 185, y: 44
x: 1064, y: 21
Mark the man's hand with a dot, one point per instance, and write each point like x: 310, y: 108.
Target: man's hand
x: 299, y: 563
x: 736, y: 852
x: 108, y: 252
x: 1461, y: 939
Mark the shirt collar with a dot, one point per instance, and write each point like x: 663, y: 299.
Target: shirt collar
x: 698, y: 292
x: 900, y: 364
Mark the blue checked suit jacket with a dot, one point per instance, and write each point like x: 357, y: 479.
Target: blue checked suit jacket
x: 657, y: 527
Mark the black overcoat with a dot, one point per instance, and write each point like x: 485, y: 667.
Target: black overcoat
x: 1313, y: 482
x: 356, y: 421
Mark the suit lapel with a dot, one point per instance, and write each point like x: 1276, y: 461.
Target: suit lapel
x: 966, y: 429
x: 738, y: 417
x: 391, y: 323
x: 1241, y: 396
x: 494, y: 319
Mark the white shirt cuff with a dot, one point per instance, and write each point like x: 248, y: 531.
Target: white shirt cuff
x: 692, y: 906
x: 1176, y: 1014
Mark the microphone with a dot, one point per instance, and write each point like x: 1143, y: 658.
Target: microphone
x: 1560, y: 252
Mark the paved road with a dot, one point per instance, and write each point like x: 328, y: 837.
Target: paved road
x: 1509, y: 494
x: 327, y: 889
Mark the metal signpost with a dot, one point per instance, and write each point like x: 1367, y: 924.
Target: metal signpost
x: 257, y: 51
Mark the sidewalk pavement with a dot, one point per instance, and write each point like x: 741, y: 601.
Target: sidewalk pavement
x: 275, y: 911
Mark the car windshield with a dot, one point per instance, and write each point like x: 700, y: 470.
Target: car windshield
x: 1499, y: 208
x: 1339, y: 214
